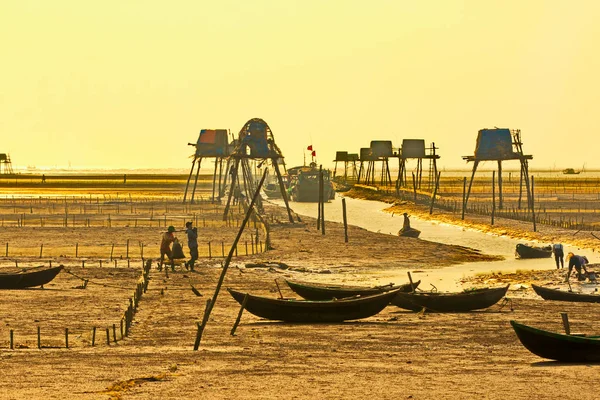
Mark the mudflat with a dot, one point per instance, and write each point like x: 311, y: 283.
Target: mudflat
x: 394, y: 354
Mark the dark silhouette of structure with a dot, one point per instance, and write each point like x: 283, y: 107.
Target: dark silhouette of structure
x: 501, y: 145
x: 5, y: 164
x: 212, y: 143
x: 415, y: 149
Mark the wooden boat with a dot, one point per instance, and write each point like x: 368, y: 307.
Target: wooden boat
x: 27, y: 279
x: 272, y: 191
x: 313, y: 291
x: 558, y: 346
x: 314, y: 311
x: 412, y: 232
x: 304, y: 184
x: 563, y: 295
x: 524, y: 251
x: 570, y: 171
x: 450, y: 302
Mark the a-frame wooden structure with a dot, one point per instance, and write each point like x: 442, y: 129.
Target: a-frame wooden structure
x: 255, y: 142
x: 501, y: 145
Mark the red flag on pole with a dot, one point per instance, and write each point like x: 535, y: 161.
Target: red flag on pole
x: 309, y: 147
x: 314, y: 153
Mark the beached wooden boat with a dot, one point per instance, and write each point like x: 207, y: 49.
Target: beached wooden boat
x: 315, y: 291
x: 272, y: 190
x: 412, y: 232
x: 524, y: 251
x: 450, y: 302
x: 28, y: 279
x: 558, y: 346
x: 314, y: 311
x: 563, y: 295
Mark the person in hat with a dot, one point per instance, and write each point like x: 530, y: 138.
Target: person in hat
x: 406, y: 223
x: 165, y: 247
x: 192, y: 235
x: 577, y: 262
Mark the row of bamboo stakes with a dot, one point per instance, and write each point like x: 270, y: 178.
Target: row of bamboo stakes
x: 255, y: 247
x: 125, y: 322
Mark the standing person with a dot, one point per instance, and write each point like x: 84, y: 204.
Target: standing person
x: 192, y: 235
x: 165, y: 247
x: 559, y: 255
x: 577, y: 262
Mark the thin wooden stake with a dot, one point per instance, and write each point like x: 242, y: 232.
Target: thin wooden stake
x: 239, y: 317
x: 345, y: 220
x: 39, y: 338
x: 67, y: 338
x: 93, y: 336
x: 565, y: 321
x: 412, y: 285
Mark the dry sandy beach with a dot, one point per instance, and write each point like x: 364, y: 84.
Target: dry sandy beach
x: 395, y: 354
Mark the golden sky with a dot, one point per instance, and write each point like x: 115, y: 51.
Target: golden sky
x: 127, y: 84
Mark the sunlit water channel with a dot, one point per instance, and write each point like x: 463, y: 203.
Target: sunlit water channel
x: 370, y: 215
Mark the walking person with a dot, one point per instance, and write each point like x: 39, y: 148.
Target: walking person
x: 165, y: 247
x: 577, y: 262
x: 559, y: 255
x: 192, y: 235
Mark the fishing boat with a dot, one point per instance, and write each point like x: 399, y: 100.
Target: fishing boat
x: 558, y: 346
x: 304, y: 184
x: 314, y: 311
x: 315, y: 291
x: 467, y: 300
x: 570, y: 171
x: 562, y: 295
x: 272, y: 190
x: 30, y: 278
x: 412, y: 232
x: 524, y: 251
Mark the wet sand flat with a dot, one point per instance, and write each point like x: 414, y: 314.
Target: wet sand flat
x: 395, y: 354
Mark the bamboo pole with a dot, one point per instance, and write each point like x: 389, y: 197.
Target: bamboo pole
x: 228, y: 260
x: 239, y: 317
x: 345, y: 220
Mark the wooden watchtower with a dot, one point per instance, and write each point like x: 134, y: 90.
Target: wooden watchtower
x: 211, y: 143
x: 415, y: 149
x: 380, y: 151
x: 5, y: 164
x: 255, y: 142
x: 500, y: 145
x: 349, y: 160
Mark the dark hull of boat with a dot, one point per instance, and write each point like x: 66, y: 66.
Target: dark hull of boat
x: 308, y: 193
x: 29, y: 279
x: 273, y: 194
x: 314, y: 311
x: 450, y: 302
x: 413, y: 233
x: 524, y: 251
x: 556, y: 346
x: 330, y: 292
x: 561, y: 295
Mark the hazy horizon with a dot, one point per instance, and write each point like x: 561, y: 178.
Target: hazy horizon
x: 129, y: 84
